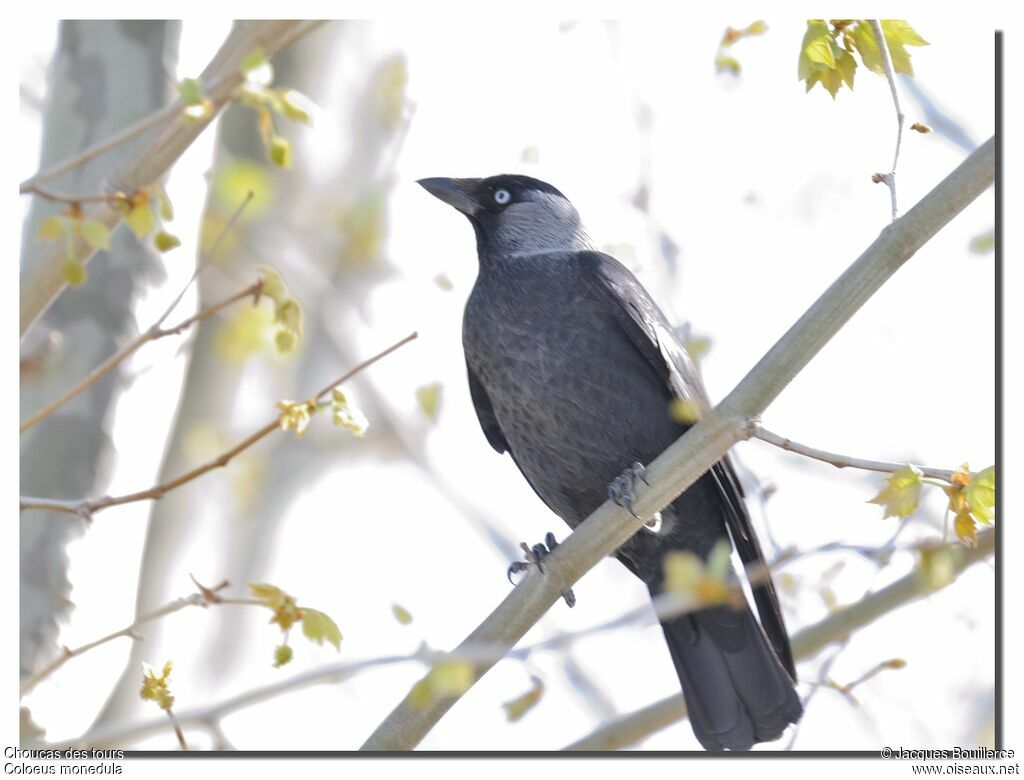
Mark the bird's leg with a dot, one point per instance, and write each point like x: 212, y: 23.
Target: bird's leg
x: 622, y: 489
x: 534, y: 556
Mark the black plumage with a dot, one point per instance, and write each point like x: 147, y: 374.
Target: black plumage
x: 572, y: 368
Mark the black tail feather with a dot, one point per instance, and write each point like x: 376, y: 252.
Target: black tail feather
x: 736, y: 689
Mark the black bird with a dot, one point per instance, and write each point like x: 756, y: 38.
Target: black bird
x: 572, y: 369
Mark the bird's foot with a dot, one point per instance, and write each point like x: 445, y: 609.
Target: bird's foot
x: 534, y: 556
x: 622, y: 489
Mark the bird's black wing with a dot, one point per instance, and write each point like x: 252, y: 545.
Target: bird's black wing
x: 652, y: 334
x: 485, y: 412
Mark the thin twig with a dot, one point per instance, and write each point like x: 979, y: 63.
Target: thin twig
x: 203, y: 598
x: 844, y: 461
x: 883, y: 48
x: 177, y: 730
x: 152, y: 334
x: 86, y: 508
x: 71, y: 200
x: 101, y: 147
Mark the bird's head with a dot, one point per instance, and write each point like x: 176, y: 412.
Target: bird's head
x: 513, y: 215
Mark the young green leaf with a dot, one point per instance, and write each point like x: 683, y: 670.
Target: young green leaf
x: 191, y: 91
x: 282, y: 655
x: 429, y: 397
x: 901, y: 493
x: 344, y: 415
x: 295, y: 106
x: 981, y: 495
x: 74, y: 273
x: 140, y: 219
x: 52, y: 228
x: 519, y: 706
x: 280, y: 152
x: 273, y: 285
x: 254, y: 59
x: 402, y: 615
x: 319, y: 628
x: 165, y: 241
x: 155, y: 686
x: 95, y: 233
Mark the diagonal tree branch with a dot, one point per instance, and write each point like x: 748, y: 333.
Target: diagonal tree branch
x: 43, y: 279
x: 86, y: 508
x: 634, y: 726
x: 692, y: 454
x: 844, y: 461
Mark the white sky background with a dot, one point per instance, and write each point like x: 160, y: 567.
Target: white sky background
x: 767, y: 192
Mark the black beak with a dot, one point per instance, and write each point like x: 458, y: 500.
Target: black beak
x: 457, y: 193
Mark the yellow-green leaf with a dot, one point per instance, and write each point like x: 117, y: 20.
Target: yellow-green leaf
x: 937, y: 567
x: 983, y: 243
x: 965, y: 529
x: 289, y: 314
x: 52, y: 228
x: 519, y: 706
x: 684, y: 411
x: 74, y: 273
x: 254, y: 59
x: 295, y: 415
x: 898, y: 35
x: 319, y: 628
x: 402, y: 615
x: 140, y: 219
x: 271, y: 595
x: 429, y: 397
x: 95, y: 233
x: 720, y: 559
x: 981, y: 495
x: 191, y: 91
x: 901, y: 493
x: 166, y: 209
x: 816, y: 51
x: 451, y: 677
x: 295, y: 106
x: 285, y: 341
x: 282, y: 655
x: 155, y: 686
x: 165, y: 241
x: 683, y: 572
x: 726, y: 63
x: 344, y: 415
x: 273, y: 285
x: 280, y: 152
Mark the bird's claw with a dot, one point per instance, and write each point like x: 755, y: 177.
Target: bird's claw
x: 534, y: 556
x: 622, y: 489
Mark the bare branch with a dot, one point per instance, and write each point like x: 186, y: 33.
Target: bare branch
x: 883, y: 47
x: 86, y: 508
x: 690, y: 456
x: 152, y: 334
x: 631, y: 728
x: 203, y: 598
x: 844, y: 461
x: 43, y: 279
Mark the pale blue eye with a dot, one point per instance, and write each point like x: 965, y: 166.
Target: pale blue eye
x: 501, y: 197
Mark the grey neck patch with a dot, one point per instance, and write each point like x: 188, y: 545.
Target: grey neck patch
x: 544, y: 223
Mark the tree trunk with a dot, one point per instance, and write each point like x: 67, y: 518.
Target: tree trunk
x: 104, y: 76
